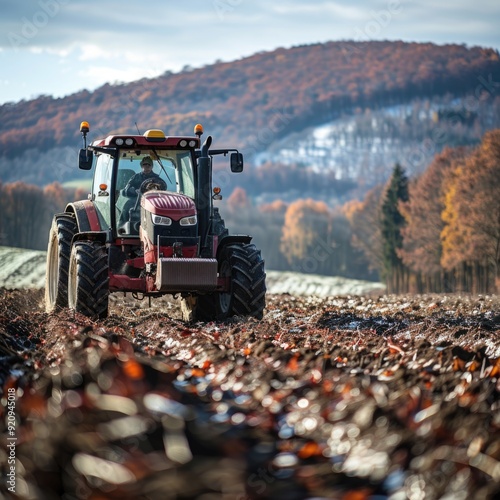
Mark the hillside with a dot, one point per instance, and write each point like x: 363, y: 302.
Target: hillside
x: 252, y: 103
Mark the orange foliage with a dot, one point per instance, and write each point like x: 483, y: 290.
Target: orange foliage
x: 306, y: 221
x: 472, y: 207
x: 246, y: 100
x: 238, y: 200
x: 364, y: 217
x: 423, y: 213
x: 55, y: 195
x: 276, y: 207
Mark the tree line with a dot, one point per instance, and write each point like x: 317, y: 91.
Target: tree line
x: 27, y: 210
x: 439, y: 232
x: 304, y: 235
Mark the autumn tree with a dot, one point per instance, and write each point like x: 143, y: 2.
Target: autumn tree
x: 238, y: 200
x: 471, y: 236
x: 483, y: 219
x: 23, y: 212
x: 454, y: 244
x: 391, y: 224
x: 364, y: 221
x: 305, y: 240
x: 346, y: 260
x: 27, y: 212
x: 268, y: 234
x: 56, y: 197
x: 421, y: 246
x: 263, y: 223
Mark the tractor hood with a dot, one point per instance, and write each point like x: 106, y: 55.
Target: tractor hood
x: 173, y: 205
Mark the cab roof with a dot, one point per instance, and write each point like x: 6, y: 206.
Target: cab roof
x: 150, y: 138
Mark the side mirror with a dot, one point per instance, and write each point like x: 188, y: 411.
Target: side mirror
x: 85, y: 159
x: 236, y: 162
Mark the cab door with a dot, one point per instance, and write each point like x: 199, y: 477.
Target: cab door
x: 101, y: 189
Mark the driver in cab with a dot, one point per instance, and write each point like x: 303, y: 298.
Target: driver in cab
x: 135, y: 182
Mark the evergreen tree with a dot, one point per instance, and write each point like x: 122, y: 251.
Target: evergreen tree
x: 391, y: 223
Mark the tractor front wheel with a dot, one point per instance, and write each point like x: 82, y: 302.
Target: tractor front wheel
x: 88, y: 291
x: 243, y: 265
x: 61, y: 233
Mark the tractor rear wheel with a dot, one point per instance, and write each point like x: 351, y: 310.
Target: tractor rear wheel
x: 63, y: 229
x: 243, y: 265
x: 88, y: 291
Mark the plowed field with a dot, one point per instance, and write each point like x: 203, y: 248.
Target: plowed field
x: 354, y: 397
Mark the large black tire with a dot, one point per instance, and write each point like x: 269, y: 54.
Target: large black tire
x: 247, y: 295
x: 88, y: 290
x: 61, y: 233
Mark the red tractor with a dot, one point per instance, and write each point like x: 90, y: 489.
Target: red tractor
x: 152, y: 233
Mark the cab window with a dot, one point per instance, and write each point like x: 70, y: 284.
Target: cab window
x: 101, y: 188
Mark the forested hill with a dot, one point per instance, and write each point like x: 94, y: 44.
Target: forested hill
x: 252, y: 101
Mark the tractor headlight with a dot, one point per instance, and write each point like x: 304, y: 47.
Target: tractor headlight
x: 161, y: 221
x: 189, y: 221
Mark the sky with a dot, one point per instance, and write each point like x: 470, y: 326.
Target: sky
x: 59, y: 47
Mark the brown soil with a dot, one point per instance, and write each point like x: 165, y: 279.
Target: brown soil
x: 339, y: 398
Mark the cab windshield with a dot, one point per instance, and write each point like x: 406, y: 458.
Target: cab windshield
x: 173, y: 166
x: 174, y: 169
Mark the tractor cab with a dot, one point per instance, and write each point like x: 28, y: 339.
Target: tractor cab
x: 120, y: 181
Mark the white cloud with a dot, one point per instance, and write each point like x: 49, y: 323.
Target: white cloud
x: 91, y: 52
x: 63, y: 53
